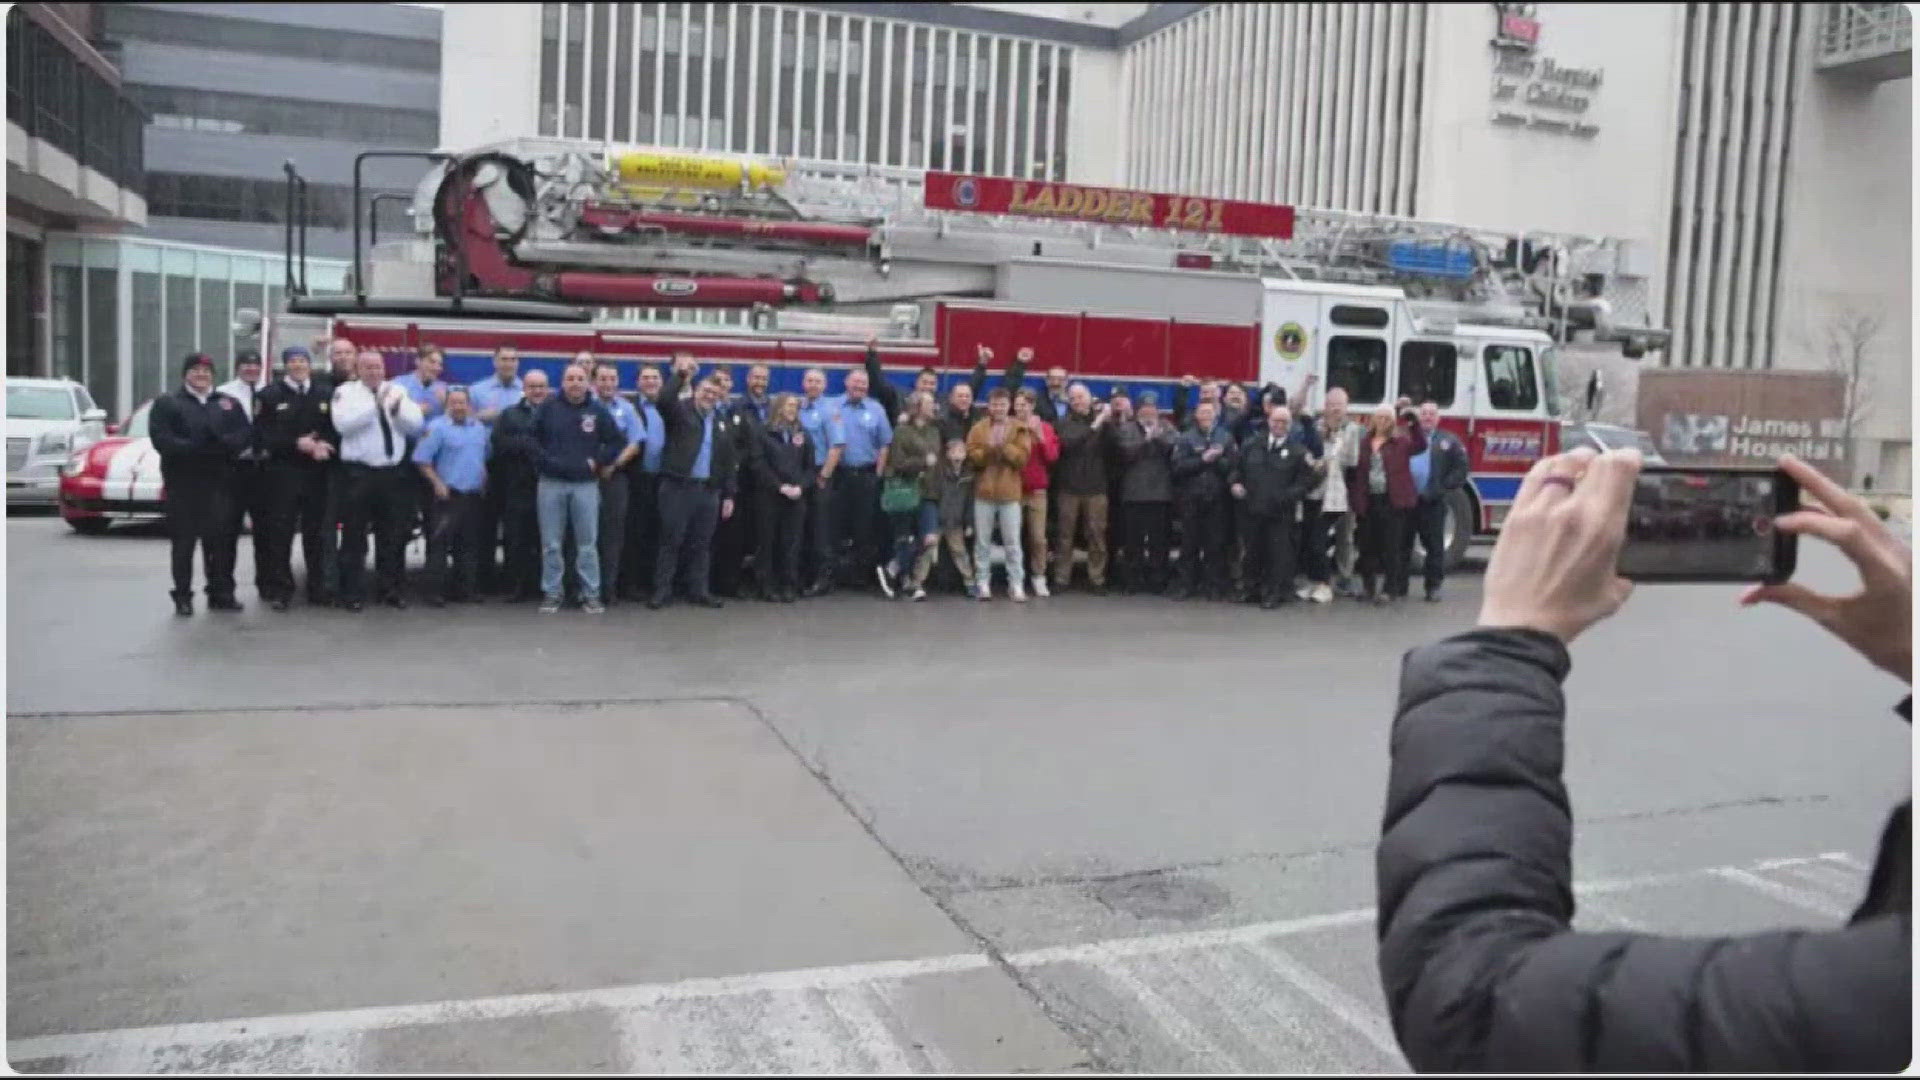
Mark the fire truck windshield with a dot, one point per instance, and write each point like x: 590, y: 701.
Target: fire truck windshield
x: 1550, y: 379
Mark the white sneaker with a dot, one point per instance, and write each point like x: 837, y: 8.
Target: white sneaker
x: 1304, y: 592
x: 919, y: 593
x: 1323, y: 593
x: 886, y: 582
x: 1040, y: 586
x: 984, y: 591
x: 1017, y: 592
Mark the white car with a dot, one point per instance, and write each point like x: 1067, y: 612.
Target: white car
x: 114, y: 481
x: 48, y: 421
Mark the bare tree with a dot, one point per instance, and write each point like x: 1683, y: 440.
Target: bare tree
x: 1848, y: 339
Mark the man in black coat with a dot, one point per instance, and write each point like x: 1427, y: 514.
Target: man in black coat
x: 515, y: 467
x: 294, y: 428
x: 1481, y: 970
x: 1203, y: 461
x: 698, y: 473
x: 1271, y: 477
x: 199, y: 433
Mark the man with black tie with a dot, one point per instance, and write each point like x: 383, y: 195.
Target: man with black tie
x: 375, y: 418
x: 698, y: 472
x: 295, y: 432
x: 248, y: 499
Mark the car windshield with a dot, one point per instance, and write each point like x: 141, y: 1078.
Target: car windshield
x: 137, y: 423
x: 39, y: 403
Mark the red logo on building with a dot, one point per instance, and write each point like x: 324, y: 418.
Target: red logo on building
x: 1515, y: 27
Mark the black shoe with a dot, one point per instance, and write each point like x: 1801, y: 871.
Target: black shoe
x: 355, y: 606
x: 1178, y: 594
x: 278, y: 603
x: 182, y: 606
x: 654, y: 603
x: 708, y: 602
x: 224, y: 603
x: 818, y: 588
x: 1097, y: 590
x: 788, y: 598
x: 1433, y: 596
x: 436, y: 601
x: 397, y: 603
x: 1269, y: 605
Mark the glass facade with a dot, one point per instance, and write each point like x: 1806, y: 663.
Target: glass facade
x: 124, y: 311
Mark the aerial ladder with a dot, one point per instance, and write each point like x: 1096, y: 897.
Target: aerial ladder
x: 585, y: 223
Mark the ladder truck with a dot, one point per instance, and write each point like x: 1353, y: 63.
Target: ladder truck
x: 530, y: 242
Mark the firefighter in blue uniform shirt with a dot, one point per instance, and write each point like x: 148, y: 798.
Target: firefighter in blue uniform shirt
x: 452, y: 457
x: 199, y: 434
x: 823, y: 427
x: 856, y: 504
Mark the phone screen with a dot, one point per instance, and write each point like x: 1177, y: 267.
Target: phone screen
x: 1707, y: 525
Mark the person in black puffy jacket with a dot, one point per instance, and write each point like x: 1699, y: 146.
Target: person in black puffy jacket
x: 1481, y: 971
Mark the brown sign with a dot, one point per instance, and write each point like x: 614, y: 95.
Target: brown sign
x: 1746, y: 418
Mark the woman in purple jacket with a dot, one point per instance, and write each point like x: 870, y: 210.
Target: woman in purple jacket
x: 1380, y: 490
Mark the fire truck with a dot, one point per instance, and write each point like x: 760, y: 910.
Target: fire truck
x: 531, y: 242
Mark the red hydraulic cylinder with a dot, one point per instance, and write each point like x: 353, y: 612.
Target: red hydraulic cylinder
x: 660, y: 290
x: 614, y: 219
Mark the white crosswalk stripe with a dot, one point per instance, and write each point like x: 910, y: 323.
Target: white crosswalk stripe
x: 1292, y: 995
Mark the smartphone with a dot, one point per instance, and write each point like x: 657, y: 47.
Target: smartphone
x: 1690, y: 524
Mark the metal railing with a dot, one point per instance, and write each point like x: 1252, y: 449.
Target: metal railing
x: 53, y: 96
x: 1851, y: 33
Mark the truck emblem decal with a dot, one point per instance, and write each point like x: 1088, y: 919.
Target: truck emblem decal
x: 966, y: 192
x: 1291, y: 341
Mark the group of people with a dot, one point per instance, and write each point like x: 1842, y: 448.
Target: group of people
x: 690, y: 491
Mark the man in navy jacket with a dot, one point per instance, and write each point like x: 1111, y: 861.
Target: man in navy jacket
x: 578, y: 438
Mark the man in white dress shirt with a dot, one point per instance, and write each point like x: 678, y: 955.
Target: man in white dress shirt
x: 375, y: 418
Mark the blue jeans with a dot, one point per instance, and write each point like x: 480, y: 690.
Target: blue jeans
x: 558, y: 501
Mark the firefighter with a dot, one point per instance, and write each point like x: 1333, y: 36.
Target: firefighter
x: 1270, y: 478
x: 247, y: 493
x: 515, y: 455
x: 376, y: 420
x: 199, y: 433
x: 295, y: 431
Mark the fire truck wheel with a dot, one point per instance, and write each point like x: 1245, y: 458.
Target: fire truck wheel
x: 1459, y: 529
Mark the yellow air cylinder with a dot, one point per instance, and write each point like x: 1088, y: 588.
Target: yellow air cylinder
x: 650, y: 170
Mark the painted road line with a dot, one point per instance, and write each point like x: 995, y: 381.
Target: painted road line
x: 330, y: 1040
x: 1370, y: 1022
x: 1847, y: 861
x: 1787, y: 894
x: 1182, y: 1030
x: 1842, y: 885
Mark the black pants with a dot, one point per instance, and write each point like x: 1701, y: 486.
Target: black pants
x: 1316, y: 542
x: 198, y: 513
x: 1383, y: 547
x: 299, y: 505
x: 1143, y: 546
x: 1272, y: 542
x: 733, y: 539
x: 615, y: 493
x: 856, y: 510
x: 492, y: 516
x: 249, y: 500
x: 643, y: 533
x: 1429, y: 523
x: 520, y: 524
x: 1203, y: 546
x: 689, y: 510
x: 818, y: 533
x: 455, y: 537
x: 1242, y: 559
x: 776, y: 561
x: 387, y: 500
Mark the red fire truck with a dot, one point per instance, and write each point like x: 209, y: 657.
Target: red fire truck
x: 532, y: 242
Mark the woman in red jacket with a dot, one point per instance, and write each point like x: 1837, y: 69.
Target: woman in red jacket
x: 1033, y: 483
x: 1380, y: 490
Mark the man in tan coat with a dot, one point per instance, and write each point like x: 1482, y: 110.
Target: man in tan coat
x: 998, y: 449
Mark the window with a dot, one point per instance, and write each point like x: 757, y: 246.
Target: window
x: 210, y: 110
x: 1359, y: 366
x: 233, y: 198
x: 39, y: 403
x: 139, y: 22
x: 150, y: 359
x: 103, y: 328
x: 1372, y: 318
x: 1510, y: 379
x: 1428, y: 370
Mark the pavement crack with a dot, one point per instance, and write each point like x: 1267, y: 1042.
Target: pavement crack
x: 940, y: 901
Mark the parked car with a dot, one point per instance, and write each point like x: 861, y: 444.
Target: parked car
x: 1603, y: 437
x: 48, y: 420
x: 114, y: 481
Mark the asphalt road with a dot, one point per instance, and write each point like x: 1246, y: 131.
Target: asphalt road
x: 1080, y: 834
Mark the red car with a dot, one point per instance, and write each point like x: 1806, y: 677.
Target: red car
x: 114, y: 481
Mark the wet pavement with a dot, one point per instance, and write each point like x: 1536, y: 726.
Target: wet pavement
x: 845, y: 835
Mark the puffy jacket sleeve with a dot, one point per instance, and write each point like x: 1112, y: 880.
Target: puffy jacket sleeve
x: 1480, y: 968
